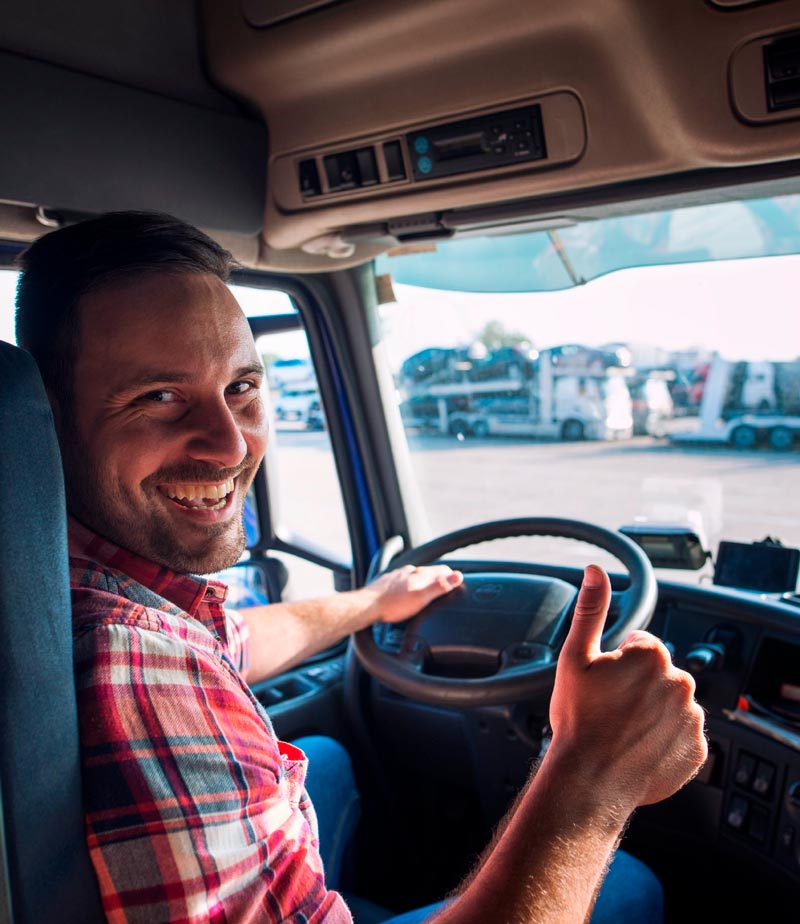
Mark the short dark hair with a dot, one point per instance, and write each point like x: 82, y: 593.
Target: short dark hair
x: 62, y: 266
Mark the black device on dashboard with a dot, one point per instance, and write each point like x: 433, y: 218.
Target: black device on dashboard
x: 668, y: 546
x: 767, y: 566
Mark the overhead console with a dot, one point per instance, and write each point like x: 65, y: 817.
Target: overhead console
x: 379, y: 112
x: 541, y: 132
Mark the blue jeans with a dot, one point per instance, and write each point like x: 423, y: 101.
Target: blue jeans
x: 332, y: 789
x: 631, y: 894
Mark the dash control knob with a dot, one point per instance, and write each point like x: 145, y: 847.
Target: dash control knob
x: 704, y: 658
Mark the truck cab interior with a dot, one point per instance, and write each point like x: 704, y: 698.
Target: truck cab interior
x: 431, y: 203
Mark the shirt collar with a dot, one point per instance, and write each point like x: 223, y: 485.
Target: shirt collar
x: 186, y: 591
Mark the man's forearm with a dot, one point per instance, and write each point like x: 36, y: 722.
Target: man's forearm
x: 285, y: 634
x: 546, y: 866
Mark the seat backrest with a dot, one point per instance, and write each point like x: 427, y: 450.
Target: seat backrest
x: 48, y: 876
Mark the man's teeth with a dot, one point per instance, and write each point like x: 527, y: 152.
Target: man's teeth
x: 200, y: 495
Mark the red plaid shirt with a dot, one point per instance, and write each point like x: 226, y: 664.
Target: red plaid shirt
x: 195, y: 812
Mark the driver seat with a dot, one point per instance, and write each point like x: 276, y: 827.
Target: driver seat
x: 46, y: 874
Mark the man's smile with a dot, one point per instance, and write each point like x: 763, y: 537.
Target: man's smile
x: 197, y: 496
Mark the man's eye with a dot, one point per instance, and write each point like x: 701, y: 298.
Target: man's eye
x: 241, y: 388
x: 160, y: 396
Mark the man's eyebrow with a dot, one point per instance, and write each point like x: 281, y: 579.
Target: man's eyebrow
x: 250, y: 369
x: 166, y: 377
x: 156, y: 377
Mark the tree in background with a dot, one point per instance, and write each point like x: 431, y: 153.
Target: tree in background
x: 494, y: 335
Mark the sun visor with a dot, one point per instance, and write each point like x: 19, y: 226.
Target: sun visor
x: 81, y: 143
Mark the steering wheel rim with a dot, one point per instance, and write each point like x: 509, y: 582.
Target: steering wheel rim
x: 522, y: 682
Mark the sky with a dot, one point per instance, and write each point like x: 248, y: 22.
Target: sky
x: 745, y: 309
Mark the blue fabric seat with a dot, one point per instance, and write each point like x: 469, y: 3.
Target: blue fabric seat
x: 47, y: 875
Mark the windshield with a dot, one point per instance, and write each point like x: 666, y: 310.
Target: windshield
x: 571, y: 255
x: 667, y: 393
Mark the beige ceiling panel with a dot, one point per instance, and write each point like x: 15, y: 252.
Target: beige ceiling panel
x: 652, y: 79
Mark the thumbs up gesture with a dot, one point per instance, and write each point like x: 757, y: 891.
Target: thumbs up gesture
x: 627, y: 718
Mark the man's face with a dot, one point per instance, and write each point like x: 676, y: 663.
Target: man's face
x: 169, y: 424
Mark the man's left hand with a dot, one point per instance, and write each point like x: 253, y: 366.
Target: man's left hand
x: 400, y: 594
x: 285, y: 634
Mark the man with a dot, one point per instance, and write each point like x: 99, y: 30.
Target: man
x: 194, y: 811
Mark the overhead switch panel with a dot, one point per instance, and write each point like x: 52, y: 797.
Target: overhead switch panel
x: 309, y: 178
x: 342, y: 171
x: 393, y: 155
x: 548, y: 130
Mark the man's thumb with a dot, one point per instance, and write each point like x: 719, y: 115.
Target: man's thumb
x: 583, y: 639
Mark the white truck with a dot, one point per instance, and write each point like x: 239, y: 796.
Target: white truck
x: 299, y: 403
x: 532, y: 398
x: 748, y: 403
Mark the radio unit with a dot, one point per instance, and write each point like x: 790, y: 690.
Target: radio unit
x: 477, y: 144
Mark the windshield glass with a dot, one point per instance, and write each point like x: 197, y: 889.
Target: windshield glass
x: 571, y: 255
x: 667, y: 393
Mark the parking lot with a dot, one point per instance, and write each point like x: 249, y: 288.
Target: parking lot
x: 731, y: 494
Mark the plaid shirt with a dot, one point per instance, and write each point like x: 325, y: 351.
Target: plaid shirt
x: 195, y: 812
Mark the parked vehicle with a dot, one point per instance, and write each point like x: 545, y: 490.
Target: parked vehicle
x: 508, y: 394
x: 298, y: 404
x: 749, y: 403
x: 651, y: 402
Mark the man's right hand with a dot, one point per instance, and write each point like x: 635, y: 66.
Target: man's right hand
x: 626, y: 731
x: 628, y: 717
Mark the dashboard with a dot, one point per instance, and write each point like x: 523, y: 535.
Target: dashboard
x: 744, y: 650
x: 740, y: 816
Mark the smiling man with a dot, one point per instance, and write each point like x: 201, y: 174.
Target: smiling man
x: 195, y: 812
x: 169, y: 454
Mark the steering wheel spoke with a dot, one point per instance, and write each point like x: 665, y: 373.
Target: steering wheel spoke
x: 390, y: 636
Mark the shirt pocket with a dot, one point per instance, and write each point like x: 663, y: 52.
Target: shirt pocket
x: 295, y: 767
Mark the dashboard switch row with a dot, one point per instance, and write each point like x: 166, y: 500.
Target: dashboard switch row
x: 748, y: 818
x: 745, y: 768
x: 737, y: 812
x: 764, y: 778
x: 755, y: 775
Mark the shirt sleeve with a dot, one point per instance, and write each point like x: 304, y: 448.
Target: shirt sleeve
x: 193, y: 814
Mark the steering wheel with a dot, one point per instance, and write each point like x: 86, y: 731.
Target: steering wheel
x: 495, y: 639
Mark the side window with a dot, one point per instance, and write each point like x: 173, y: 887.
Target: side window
x: 305, y: 497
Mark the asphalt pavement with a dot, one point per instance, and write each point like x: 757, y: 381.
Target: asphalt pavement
x: 724, y: 493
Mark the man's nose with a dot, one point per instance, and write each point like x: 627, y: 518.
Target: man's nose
x: 217, y: 436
